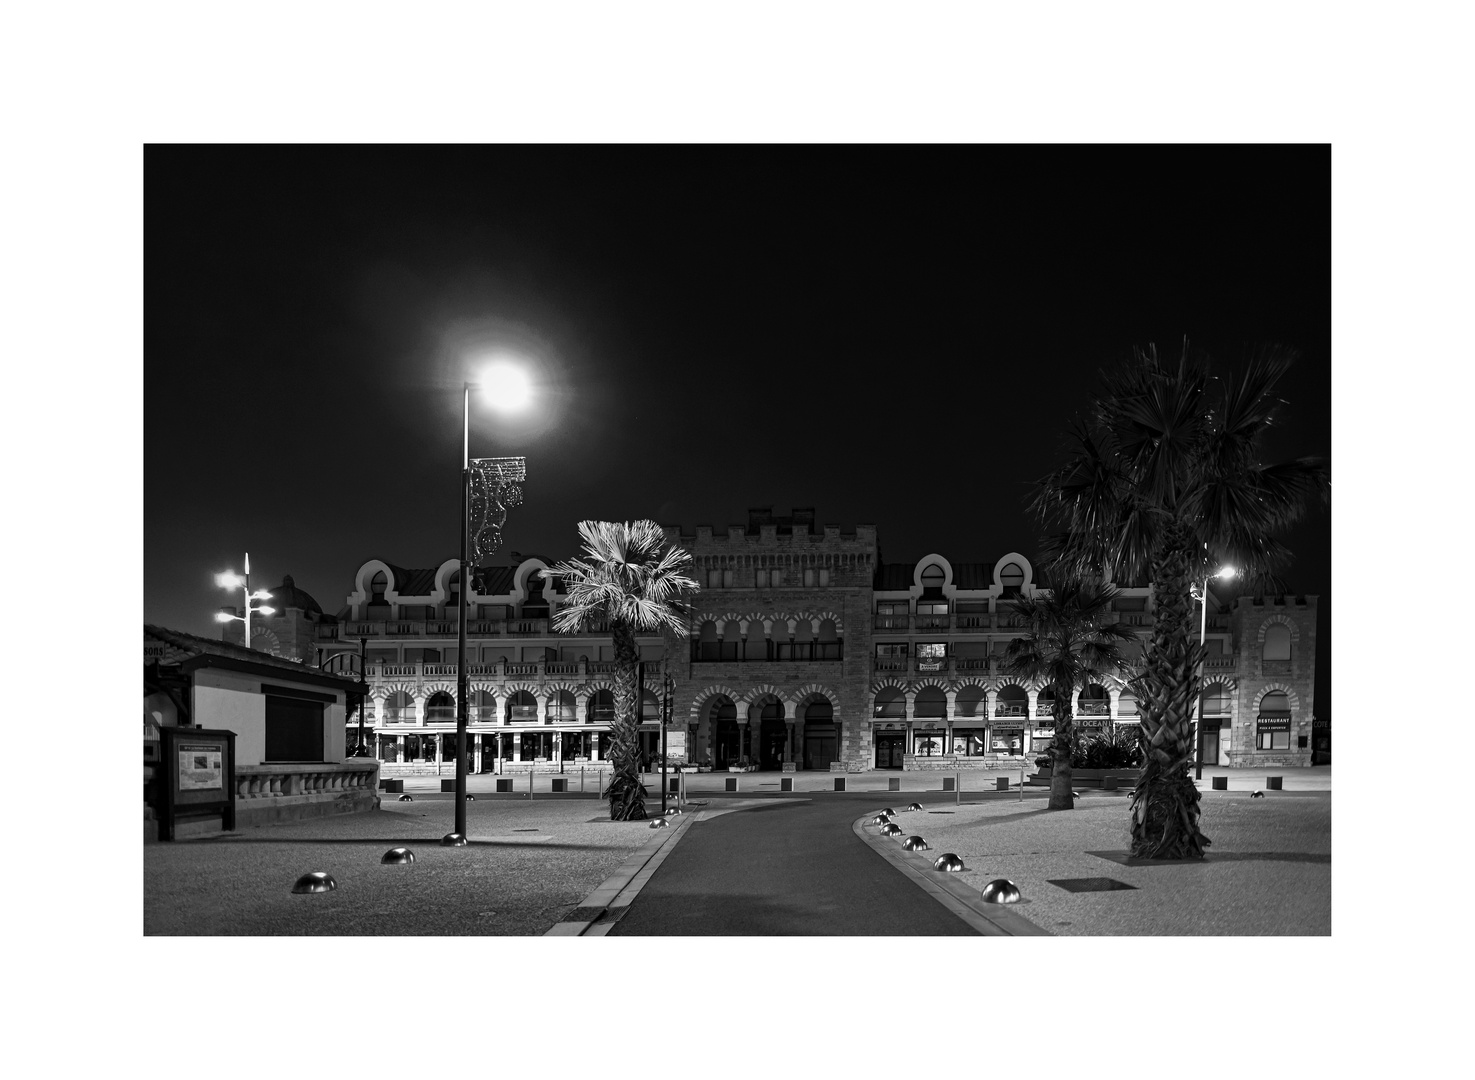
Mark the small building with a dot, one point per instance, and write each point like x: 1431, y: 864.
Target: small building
x: 288, y: 718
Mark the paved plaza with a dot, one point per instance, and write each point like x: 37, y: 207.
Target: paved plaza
x: 533, y: 863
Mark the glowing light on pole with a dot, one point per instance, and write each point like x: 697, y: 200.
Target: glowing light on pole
x: 231, y: 580
x: 1203, y: 629
x: 488, y: 488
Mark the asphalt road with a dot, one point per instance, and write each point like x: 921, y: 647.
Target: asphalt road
x: 793, y: 868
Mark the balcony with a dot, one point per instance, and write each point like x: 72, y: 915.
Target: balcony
x: 891, y: 663
x: 970, y: 663
x: 975, y: 623
x: 1012, y: 709
x: 778, y: 652
x: 1219, y: 663
x: 892, y: 622
x: 932, y: 622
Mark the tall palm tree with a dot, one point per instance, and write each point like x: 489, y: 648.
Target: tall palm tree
x: 1164, y: 481
x: 631, y: 580
x: 1071, y: 641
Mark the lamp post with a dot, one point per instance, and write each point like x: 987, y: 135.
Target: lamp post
x: 509, y: 391
x: 231, y: 580
x: 1203, y: 628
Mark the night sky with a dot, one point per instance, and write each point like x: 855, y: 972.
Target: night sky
x: 895, y: 335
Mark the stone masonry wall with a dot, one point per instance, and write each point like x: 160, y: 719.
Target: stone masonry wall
x: 1254, y: 677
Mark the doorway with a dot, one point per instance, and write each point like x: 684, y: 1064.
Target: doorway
x: 821, y: 746
x: 1209, y: 755
x: 773, y: 737
x: 726, y: 744
x: 890, y: 746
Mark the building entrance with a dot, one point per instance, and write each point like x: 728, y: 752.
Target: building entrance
x: 890, y: 746
x: 821, y: 746
x: 773, y: 736
x: 1210, y: 754
x: 726, y: 744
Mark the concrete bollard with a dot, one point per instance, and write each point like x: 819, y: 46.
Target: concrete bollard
x: 839, y: 783
x: 730, y: 783
x: 560, y: 783
x: 786, y: 783
x: 1220, y: 783
x: 1001, y: 783
x: 504, y: 784
x: 1272, y: 783
x: 948, y: 783
x: 893, y: 783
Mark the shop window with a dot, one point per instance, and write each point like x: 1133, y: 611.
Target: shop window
x: 927, y: 745
x: 1007, y: 741
x: 968, y: 742
x: 1273, y: 725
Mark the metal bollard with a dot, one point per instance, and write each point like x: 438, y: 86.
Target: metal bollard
x: 530, y: 784
x: 960, y: 789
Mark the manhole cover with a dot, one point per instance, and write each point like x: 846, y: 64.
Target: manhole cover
x: 941, y: 811
x: 1090, y: 884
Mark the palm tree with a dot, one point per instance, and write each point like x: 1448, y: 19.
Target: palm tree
x: 1164, y: 481
x: 632, y: 581
x: 1071, y: 640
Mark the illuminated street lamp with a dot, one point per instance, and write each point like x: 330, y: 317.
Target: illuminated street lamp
x: 231, y: 580
x: 506, y: 388
x: 1203, y: 628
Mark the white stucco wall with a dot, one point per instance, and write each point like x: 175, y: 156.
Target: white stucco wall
x: 234, y: 702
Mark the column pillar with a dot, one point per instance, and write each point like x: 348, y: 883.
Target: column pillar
x: 789, y: 746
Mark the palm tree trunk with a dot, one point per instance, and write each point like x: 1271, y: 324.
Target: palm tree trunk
x: 1165, y: 803
x: 626, y: 794
x: 1060, y: 774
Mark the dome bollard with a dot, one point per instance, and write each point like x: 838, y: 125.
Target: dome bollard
x: 407, y: 798
x: 660, y: 823
x: 948, y: 863
x: 453, y: 839
x: 915, y: 843
x: 1001, y: 891
x: 891, y: 828
x: 914, y: 806
x: 398, y: 856
x: 316, y: 882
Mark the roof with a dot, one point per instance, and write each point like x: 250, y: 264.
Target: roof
x: 288, y: 595
x: 491, y: 580
x: 191, y: 651
x: 897, y: 577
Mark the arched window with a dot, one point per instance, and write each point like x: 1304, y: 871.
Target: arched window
x: 890, y: 702
x: 931, y: 702
x: 970, y: 702
x: 562, y: 709
x: 1273, y: 725
x: 522, y: 707
x: 1094, y: 701
x: 650, y: 708
x: 1044, y: 702
x: 399, y: 709
x: 377, y: 586
x: 820, y: 711
x: 485, y: 707
x: 933, y: 576
x: 601, y: 706
x: 723, y: 708
x: 1011, y: 577
x: 1012, y: 701
x: 1216, y: 700
x: 440, y: 708
x: 1277, y: 642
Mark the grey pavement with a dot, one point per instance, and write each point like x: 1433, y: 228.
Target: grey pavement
x: 533, y: 863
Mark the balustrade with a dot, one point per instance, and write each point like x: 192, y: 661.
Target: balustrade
x: 325, y: 778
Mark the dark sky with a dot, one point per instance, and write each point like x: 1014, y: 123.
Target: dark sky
x: 895, y: 335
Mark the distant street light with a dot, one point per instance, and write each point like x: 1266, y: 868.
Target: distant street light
x: 1203, y: 628
x: 507, y: 389
x: 231, y: 580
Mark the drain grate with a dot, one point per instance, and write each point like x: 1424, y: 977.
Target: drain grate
x: 524, y: 830
x: 1090, y: 884
x: 940, y: 811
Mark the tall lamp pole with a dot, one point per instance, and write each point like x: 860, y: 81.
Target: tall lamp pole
x: 462, y: 602
x: 665, y: 722
x: 230, y: 580
x: 1203, y: 628
x: 512, y: 391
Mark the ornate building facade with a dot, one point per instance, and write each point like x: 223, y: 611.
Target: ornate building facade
x: 804, y: 652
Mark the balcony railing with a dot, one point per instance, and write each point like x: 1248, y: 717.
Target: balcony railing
x: 1020, y: 709
x: 440, y: 714
x: 1219, y: 663
x: 891, y: 663
x: 892, y: 622
x: 1093, y: 708
x: 973, y: 622
x: 724, y: 652
x: 522, y: 714
x: 970, y: 663
x: 932, y: 622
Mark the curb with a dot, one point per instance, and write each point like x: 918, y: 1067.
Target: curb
x: 991, y: 920
x: 620, y: 888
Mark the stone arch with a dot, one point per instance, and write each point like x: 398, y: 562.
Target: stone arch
x: 272, y: 645
x: 439, y: 687
x: 835, y: 618
x: 407, y: 688
x: 921, y: 682
x: 758, y: 691
x: 1278, y: 618
x: 706, y: 694
x: 564, y: 686
x: 519, y: 685
x: 1270, y: 688
x: 809, y: 691
x: 881, y: 682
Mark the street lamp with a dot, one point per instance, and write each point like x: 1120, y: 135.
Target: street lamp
x: 231, y: 580
x: 506, y: 388
x: 1203, y: 628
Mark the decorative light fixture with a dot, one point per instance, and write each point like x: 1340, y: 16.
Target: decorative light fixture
x: 231, y: 580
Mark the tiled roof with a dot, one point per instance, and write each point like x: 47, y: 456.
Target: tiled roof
x: 892, y: 577
x: 491, y: 580
x: 973, y: 575
x: 180, y: 647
